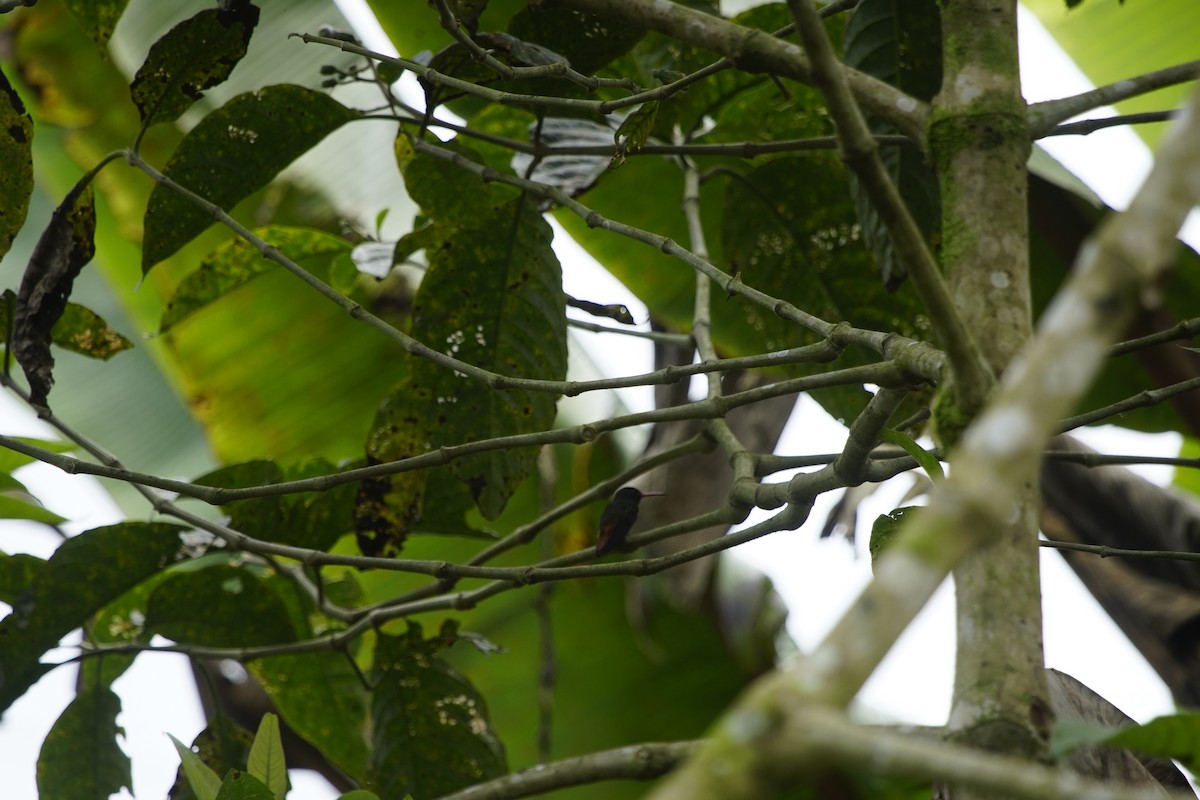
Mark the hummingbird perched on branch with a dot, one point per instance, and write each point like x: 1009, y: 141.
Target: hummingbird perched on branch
x: 618, y: 518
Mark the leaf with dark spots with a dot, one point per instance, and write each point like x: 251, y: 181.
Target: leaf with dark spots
x: 98, y: 17
x: 16, y: 154
x: 233, y: 152
x: 83, y: 331
x: 197, y: 54
x: 65, y: 247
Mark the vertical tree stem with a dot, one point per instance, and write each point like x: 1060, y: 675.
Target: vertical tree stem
x: 979, y: 139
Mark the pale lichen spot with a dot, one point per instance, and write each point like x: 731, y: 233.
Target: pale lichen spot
x: 1001, y: 433
x: 1000, y: 279
x: 906, y: 104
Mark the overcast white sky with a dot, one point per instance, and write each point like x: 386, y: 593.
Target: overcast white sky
x: 818, y: 579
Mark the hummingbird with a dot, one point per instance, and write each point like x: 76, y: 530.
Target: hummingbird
x: 618, y: 518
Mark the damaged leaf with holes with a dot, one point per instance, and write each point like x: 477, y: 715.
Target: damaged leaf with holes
x: 233, y: 152
x: 197, y: 54
x: 492, y: 297
x: 431, y: 731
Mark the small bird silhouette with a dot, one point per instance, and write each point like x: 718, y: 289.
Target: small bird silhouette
x: 618, y: 518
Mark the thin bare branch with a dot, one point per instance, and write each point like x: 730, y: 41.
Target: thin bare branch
x: 1044, y: 116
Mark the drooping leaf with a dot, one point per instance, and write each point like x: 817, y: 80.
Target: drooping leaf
x: 197, y: 54
x: 234, y: 151
x: 322, y: 698
x: 236, y: 262
x: 16, y: 154
x: 61, y: 253
x: 494, y: 301
x: 899, y: 42
x: 431, y: 731
x: 266, y: 757
x: 98, y: 17
x: 204, y: 781
x: 80, y: 757
x: 221, y: 606
x: 85, y: 573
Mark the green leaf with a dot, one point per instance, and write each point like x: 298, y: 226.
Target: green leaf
x: 266, y: 757
x: 886, y: 527
x: 322, y: 698
x: 16, y: 154
x: 120, y: 622
x: 446, y: 192
x: 430, y: 726
x: 587, y: 41
x: 306, y: 519
x: 84, y: 574
x: 83, y: 331
x: 494, y: 301
x: 98, y: 17
x: 634, y: 131
x: 197, y: 54
x: 237, y: 262
x: 1176, y: 737
x: 61, y: 253
x: 234, y: 151
x: 932, y: 467
x: 359, y: 794
x: 80, y: 758
x: 899, y: 42
x: 243, y: 786
x: 789, y: 230
x: 16, y: 508
x: 222, y: 606
x: 18, y: 572
x: 204, y: 782
x: 1071, y: 734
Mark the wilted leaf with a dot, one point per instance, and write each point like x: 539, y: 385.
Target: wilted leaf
x: 16, y: 154
x: 197, y: 54
x: 80, y: 758
x: 60, y: 254
x: 431, y: 730
x: 234, y: 151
